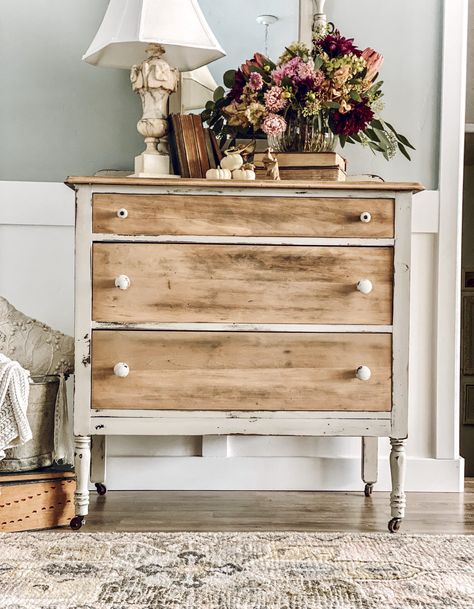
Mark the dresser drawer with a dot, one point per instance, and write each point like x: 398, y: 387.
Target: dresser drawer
x: 242, y: 216
x: 241, y: 284
x: 240, y: 371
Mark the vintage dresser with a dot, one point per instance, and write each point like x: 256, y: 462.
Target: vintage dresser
x: 241, y: 308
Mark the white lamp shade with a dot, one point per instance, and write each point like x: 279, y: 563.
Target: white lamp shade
x: 129, y: 26
x: 197, y: 88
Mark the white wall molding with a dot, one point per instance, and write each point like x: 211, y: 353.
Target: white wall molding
x: 426, y: 212
x: 450, y: 227
x: 274, y: 473
x: 36, y: 204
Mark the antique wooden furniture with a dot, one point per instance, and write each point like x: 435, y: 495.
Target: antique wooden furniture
x: 238, y: 307
x: 40, y: 499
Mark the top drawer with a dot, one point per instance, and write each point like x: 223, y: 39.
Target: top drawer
x: 244, y: 216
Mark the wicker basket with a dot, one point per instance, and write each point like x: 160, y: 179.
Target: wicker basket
x: 38, y: 452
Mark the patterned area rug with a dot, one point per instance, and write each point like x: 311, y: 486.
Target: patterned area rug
x: 235, y: 571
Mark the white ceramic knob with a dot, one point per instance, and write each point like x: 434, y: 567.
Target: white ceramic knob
x: 365, y: 286
x: 365, y: 217
x: 122, y: 282
x: 121, y: 369
x: 122, y: 213
x: 363, y: 373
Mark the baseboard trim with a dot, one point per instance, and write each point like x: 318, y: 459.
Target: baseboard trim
x: 274, y: 473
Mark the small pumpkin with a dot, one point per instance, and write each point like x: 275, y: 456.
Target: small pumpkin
x: 232, y: 161
x: 218, y: 174
x: 243, y: 174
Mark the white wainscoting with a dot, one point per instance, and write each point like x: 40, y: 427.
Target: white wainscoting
x: 36, y: 275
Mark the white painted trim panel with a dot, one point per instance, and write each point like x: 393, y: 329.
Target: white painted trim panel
x: 448, y: 322
x: 275, y: 473
x: 36, y: 203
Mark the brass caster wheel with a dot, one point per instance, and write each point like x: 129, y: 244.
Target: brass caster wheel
x: 394, y: 525
x: 368, y: 490
x: 101, y: 488
x: 77, y: 522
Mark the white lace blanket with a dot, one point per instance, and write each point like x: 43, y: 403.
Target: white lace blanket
x: 14, y: 390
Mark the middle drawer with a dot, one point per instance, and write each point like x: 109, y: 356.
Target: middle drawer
x: 151, y: 282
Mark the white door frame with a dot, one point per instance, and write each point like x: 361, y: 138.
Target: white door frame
x: 451, y: 166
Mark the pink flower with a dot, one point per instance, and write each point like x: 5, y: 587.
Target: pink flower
x: 274, y: 124
x: 299, y: 72
x: 374, y: 62
x: 256, y: 81
x: 274, y: 100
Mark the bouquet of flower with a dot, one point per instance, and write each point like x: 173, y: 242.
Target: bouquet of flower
x: 334, y: 86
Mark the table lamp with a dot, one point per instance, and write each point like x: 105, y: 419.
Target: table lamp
x: 155, y: 39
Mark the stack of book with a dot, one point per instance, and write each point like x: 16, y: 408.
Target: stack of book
x: 193, y: 148
x: 318, y: 166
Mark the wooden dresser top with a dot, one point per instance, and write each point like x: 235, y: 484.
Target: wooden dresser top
x: 74, y: 181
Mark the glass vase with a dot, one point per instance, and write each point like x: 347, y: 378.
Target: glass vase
x: 304, y: 134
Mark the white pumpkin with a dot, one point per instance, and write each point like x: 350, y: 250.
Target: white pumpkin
x: 218, y: 174
x: 232, y: 161
x: 243, y: 174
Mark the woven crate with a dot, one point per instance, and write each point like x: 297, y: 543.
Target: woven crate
x: 36, y: 500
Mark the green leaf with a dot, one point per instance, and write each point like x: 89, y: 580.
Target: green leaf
x: 334, y: 105
x: 383, y: 139
x: 218, y: 93
x: 377, y: 124
x: 318, y: 62
x: 404, y: 151
x: 356, y: 96
x: 229, y: 78
x: 404, y: 141
x: 391, y: 127
x: 342, y: 140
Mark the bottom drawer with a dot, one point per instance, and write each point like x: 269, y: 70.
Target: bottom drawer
x: 240, y: 371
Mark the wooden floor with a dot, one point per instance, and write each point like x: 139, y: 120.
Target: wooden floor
x: 277, y: 511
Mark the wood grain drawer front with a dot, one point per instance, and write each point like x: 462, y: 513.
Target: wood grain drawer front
x: 240, y: 371
x: 224, y: 215
x: 241, y: 284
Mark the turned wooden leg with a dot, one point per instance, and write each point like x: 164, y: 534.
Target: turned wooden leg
x: 397, y: 496
x: 98, y: 463
x: 369, y: 462
x: 82, y: 463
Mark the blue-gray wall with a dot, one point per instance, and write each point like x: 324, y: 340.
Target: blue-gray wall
x: 60, y: 116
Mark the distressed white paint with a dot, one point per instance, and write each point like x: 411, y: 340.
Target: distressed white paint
x: 398, y: 473
x: 243, y: 240
x: 233, y: 327
x: 193, y: 424
x: 82, y: 463
x: 401, y: 316
x: 83, y: 310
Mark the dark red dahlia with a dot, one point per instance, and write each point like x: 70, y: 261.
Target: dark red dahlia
x: 335, y: 45
x: 353, y: 121
x: 237, y: 89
